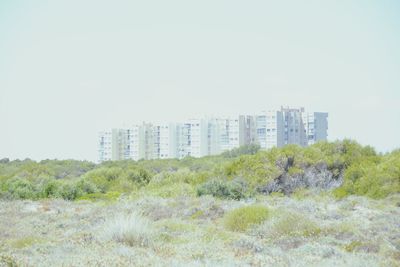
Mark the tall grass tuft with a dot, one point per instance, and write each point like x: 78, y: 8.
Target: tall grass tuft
x: 131, y: 229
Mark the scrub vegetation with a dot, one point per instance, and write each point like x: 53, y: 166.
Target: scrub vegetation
x: 327, y: 204
x: 243, y: 218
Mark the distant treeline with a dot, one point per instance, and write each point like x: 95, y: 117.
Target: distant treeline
x: 342, y: 168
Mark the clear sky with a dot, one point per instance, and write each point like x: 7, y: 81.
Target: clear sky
x: 71, y: 68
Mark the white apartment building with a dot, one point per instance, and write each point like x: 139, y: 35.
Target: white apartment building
x: 269, y: 129
x: 233, y: 126
x: 113, y: 145
x: 183, y: 134
x: 134, y: 138
x: 121, y: 144
x: 165, y: 141
x: 223, y: 135
x: 202, y: 137
x: 105, y: 145
x: 198, y: 144
x: 316, y: 126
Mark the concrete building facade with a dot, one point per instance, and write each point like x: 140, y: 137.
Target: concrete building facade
x: 316, y: 126
x: 211, y: 136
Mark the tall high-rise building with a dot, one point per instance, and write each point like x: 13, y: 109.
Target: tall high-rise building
x: 247, y: 130
x: 316, y: 126
x: 165, y: 141
x: 183, y: 134
x: 114, y: 145
x: 269, y: 129
x: 211, y: 136
x: 198, y: 137
x: 223, y: 134
x: 294, y: 131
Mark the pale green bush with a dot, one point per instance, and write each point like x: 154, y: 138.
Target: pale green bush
x: 243, y: 218
x: 288, y: 224
x: 235, y: 189
x: 371, y: 178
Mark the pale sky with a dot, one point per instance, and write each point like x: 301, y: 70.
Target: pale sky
x: 71, y: 68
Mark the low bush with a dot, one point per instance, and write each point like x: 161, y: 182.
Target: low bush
x: 21, y: 188
x: 235, y: 189
x: 288, y: 224
x: 109, y: 196
x: 171, y: 190
x: 373, y: 179
x: 257, y: 170
x: 139, y: 176
x: 243, y: 218
x: 69, y: 192
x: 116, y: 178
x: 243, y: 150
x: 349, y: 167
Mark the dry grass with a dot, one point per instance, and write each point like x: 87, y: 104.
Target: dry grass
x: 131, y: 229
x: 311, y: 231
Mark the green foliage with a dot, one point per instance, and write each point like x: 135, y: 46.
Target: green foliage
x: 25, y: 242
x: 243, y: 150
x: 243, y: 218
x: 9, y: 261
x: 50, y: 188
x: 68, y: 191
x: 235, y: 189
x: 197, y: 214
x: 109, y: 196
x: 352, y: 246
x: 21, y: 188
x: 169, y: 185
x: 241, y: 172
x: 139, y: 176
x: 290, y: 224
x: 171, y: 190
x: 116, y: 178
x: 256, y: 170
x: 375, y: 179
x: 301, y: 193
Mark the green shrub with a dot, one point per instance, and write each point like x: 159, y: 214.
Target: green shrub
x: 290, y: 224
x: 50, y: 189
x: 180, y: 183
x: 86, y: 187
x: 109, y: 196
x: 118, y: 179
x: 139, y: 176
x: 69, y: 191
x: 340, y: 192
x: 257, y: 170
x: 352, y: 246
x: 169, y: 190
x: 20, y: 188
x: 363, y: 171
x: 235, y: 189
x: 25, y: 242
x: 243, y: 150
x: 375, y: 179
x: 242, y: 218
